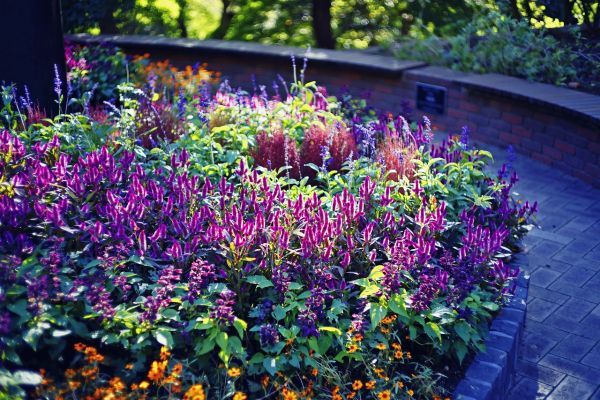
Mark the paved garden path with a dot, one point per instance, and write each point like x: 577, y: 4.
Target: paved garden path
x: 560, y: 350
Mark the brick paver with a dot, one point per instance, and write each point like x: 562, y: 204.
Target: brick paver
x: 560, y: 350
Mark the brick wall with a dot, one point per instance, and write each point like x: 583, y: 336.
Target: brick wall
x: 548, y: 134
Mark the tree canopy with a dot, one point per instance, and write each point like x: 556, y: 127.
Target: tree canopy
x: 320, y: 23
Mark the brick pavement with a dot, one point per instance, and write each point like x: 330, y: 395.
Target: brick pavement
x: 560, y: 350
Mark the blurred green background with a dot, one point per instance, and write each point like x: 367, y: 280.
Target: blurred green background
x: 322, y: 23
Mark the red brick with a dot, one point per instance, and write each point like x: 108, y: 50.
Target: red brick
x: 532, y: 145
x: 543, y: 118
x: 542, y: 158
x: 564, y: 146
x: 490, y: 112
x: 457, y: 113
x: 588, y: 133
x: 512, y: 118
x: 521, y: 131
x: 457, y: 94
x: 469, y: 106
x: 510, y: 138
x: 500, y: 105
x: 552, y: 152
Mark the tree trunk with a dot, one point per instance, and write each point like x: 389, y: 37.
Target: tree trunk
x: 182, y: 17
x: 226, y: 17
x: 107, y: 23
x: 322, y: 24
x: 514, y: 10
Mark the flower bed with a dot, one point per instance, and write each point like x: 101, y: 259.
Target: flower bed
x: 175, y: 243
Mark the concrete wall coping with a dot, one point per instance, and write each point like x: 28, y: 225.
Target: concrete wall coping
x: 347, y: 58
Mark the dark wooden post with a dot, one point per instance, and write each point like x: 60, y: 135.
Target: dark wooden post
x: 32, y: 44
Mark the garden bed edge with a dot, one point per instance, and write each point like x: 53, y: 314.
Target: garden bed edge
x: 490, y: 375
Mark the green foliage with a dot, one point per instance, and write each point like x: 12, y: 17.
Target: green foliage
x: 497, y: 44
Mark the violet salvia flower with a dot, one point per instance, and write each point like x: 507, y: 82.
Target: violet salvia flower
x: 428, y: 287
x: 57, y: 82
x: 268, y: 335
x: 223, y: 312
x: 201, y: 274
x: 307, y: 321
x: 167, y: 280
x: 464, y: 137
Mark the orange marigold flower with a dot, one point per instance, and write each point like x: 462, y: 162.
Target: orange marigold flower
x: 358, y: 337
x: 352, y: 348
x: 144, y: 385
x: 264, y: 381
x: 400, y: 384
x: 69, y: 373
x: 314, y: 372
x: 129, y: 366
x: 385, y: 331
x: 381, y: 346
x: 410, y: 392
x: 234, y: 372
x: 408, y: 355
x: 195, y: 392
x: 396, y: 346
x: 79, y: 346
x: 370, y: 385
x: 240, y: 396
x: 357, y: 385
x: 177, y: 369
x: 74, y: 385
x: 164, y: 353
x: 351, y: 395
x: 288, y: 394
x: 385, y: 395
x: 398, y: 354
x: 157, y: 370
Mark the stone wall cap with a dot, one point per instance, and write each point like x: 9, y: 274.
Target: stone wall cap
x: 354, y: 59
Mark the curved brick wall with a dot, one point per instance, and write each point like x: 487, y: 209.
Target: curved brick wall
x: 557, y: 126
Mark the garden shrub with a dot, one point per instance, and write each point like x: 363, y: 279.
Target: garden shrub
x: 179, y: 267
x: 496, y: 43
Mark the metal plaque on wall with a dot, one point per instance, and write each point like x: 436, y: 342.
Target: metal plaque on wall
x: 431, y: 98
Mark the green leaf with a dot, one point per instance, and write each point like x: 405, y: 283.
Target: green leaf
x: 169, y: 313
x: 260, y: 281
x: 378, y: 312
x: 205, y: 346
x: 460, y: 350
x: 279, y: 313
x: 164, y: 337
x: 60, y: 333
x: 376, y: 273
x: 396, y: 304
x: 433, y: 331
x: 240, y: 325
x: 257, y: 358
x: 325, y: 342
x: 270, y: 365
x: 490, y: 305
x: 222, y: 339
x: 332, y: 329
x: 463, y: 329
x: 19, y: 308
x: 370, y: 290
x: 27, y: 378
x: 412, y: 332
